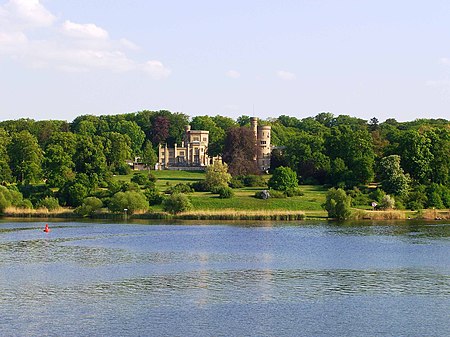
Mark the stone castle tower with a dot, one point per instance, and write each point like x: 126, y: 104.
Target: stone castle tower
x: 262, y: 139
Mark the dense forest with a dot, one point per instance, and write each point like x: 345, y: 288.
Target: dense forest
x: 68, y: 162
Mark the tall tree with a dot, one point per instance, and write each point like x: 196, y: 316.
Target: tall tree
x: 393, y: 179
x: 160, y: 129
x: 240, y: 151
x: 5, y: 171
x: 26, y: 157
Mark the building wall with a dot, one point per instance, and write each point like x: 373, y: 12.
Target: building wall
x: 193, y: 150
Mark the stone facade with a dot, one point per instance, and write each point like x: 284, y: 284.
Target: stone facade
x: 193, y: 150
x: 264, y: 149
x: 191, y: 153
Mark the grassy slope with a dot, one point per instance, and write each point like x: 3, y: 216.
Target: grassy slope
x: 243, y: 200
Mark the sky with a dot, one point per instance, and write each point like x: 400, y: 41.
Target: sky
x: 383, y: 58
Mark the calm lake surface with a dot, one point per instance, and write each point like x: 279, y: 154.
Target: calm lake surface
x: 225, y: 279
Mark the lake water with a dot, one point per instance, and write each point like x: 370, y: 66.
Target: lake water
x: 224, y: 279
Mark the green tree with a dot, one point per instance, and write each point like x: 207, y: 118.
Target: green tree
x: 5, y: 171
x: 26, y: 157
x: 283, y: 178
x: 216, y: 134
x: 338, y: 204
x: 58, y: 165
x: 149, y: 157
x: 117, y: 150
x: 177, y: 203
x: 217, y: 175
x: 131, y: 201
x: 393, y: 180
x: 89, y: 207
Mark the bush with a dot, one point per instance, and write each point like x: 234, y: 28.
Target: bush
x: 253, y: 180
x: 89, y: 207
x: 176, y: 203
x: 140, y: 178
x: 338, y: 204
x: 153, y: 196
x: 277, y: 194
x: 283, y: 178
x: 179, y: 188
x: 293, y: 192
x: 130, y: 200
x: 9, y: 197
x: 50, y: 203
x: 388, y: 202
x: 200, y: 186
x: 225, y: 192
x: 236, y: 182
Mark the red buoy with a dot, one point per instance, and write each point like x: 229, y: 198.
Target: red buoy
x: 46, y: 229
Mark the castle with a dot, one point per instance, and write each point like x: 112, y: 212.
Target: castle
x: 193, y: 152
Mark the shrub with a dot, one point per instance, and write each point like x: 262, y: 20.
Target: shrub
x: 9, y: 197
x: 277, y: 194
x: 89, y: 207
x: 225, y: 192
x: 388, y: 202
x: 236, y: 182
x: 293, y: 192
x: 140, y: 178
x: 283, y: 178
x: 200, y: 186
x: 49, y: 202
x: 176, y: 203
x: 338, y: 204
x: 153, y: 196
x: 130, y: 200
x: 217, y: 175
x: 253, y: 180
x: 179, y: 188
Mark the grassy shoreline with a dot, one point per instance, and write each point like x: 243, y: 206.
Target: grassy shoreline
x: 231, y: 214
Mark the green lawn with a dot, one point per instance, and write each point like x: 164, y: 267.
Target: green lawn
x: 244, y: 198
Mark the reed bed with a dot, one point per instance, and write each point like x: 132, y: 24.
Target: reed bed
x: 433, y: 214
x: 38, y: 213
x: 232, y: 214
x: 379, y: 215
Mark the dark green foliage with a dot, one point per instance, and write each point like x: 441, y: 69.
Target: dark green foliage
x: 293, y: 192
x: 180, y: 188
x: 177, y: 203
x: 359, y: 198
x: 35, y: 193
x: 253, y: 180
x: 283, y: 178
x: 338, y: 204
x: 154, y: 196
x: 236, y: 182
x: 140, y: 178
x: 200, y: 186
x: 224, y: 192
x: 277, y: 194
x: 50, y: 203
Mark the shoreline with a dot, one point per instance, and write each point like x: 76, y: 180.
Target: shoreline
x: 232, y: 214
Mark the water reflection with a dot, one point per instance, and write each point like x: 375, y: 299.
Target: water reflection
x: 223, y: 280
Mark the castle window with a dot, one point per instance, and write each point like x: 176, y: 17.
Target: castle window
x: 263, y: 142
x: 196, y: 139
x: 205, y: 139
x: 181, y: 153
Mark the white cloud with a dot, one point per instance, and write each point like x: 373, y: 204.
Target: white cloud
x: 69, y: 46
x: 156, y: 69
x: 87, y: 30
x: 233, y: 74
x: 31, y: 12
x: 286, y: 75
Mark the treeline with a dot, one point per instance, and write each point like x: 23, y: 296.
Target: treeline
x: 71, y: 161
